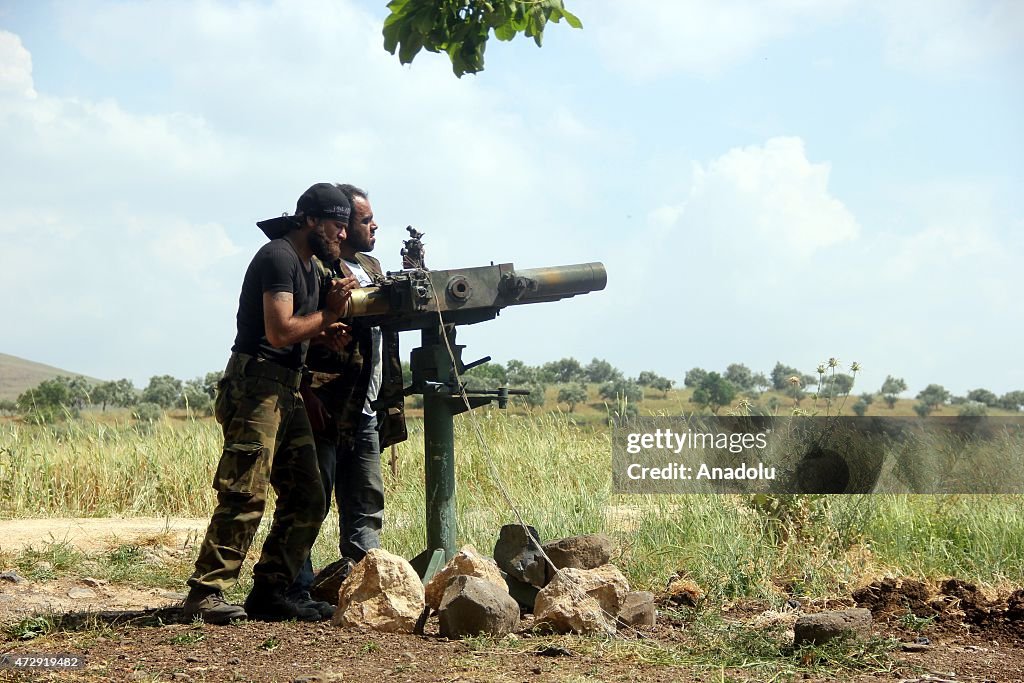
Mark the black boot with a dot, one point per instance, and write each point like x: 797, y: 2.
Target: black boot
x: 304, y: 599
x: 270, y: 604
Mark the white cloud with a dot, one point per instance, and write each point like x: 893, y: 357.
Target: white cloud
x: 15, y: 67
x: 766, y: 198
x: 946, y: 37
x: 649, y: 38
x: 149, y: 208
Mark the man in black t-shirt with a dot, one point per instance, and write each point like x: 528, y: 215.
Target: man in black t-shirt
x: 267, y: 437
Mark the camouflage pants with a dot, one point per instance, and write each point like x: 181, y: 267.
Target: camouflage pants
x: 267, y: 442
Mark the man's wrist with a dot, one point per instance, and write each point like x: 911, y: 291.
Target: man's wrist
x: 330, y: 317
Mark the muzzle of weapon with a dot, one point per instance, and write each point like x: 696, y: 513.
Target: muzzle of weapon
x: 473, y: 294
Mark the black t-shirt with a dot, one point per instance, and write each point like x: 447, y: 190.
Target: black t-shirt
x: 275, y: 268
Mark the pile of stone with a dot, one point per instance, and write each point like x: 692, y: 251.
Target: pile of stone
x: 474, y: 595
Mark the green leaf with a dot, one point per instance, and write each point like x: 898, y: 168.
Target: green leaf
x: 505, y: 32
x: 571, y: 19
x: 410, y: 47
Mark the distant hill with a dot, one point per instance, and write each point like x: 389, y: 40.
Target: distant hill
x: 18, y: 374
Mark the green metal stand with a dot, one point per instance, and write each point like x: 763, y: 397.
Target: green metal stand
x: 433, y: 375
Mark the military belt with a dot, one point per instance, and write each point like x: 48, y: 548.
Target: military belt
x: 244, y: 365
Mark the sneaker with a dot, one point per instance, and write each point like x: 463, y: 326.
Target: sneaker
x: 304, y: 599
x: 328, y: 582
x: 270, y: 605
x: 211, y: 607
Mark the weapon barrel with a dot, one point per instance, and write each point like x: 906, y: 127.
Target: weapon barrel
x: 369, y: 301
x: 559, y: 282
x: 410, y: 299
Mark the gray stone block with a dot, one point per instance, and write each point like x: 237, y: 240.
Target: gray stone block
x: 472, y: 606
x: 519, y: 556
x: 820, y: 628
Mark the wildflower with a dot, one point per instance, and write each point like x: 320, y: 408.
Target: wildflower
x: 855, y: 366
x: 821, y: 369
x: 833, y: 362
x: 794, y: 380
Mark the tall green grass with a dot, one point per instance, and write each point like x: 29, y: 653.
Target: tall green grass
x: 558, y: 474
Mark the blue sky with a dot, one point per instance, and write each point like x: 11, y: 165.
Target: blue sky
x: 784, y: 180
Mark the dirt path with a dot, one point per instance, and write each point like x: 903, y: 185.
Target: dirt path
x: 92, y: 534
x: 960, y: 650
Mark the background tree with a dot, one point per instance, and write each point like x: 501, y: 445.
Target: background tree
x: 562, y: 371
x: 647, y: 378
x: 621, y: 389
x: 163, y: 390
x: 983, y: 396
x: 519, y: 373
x: 573, y: 394
x: 598, y: 371
x: 536, y: 397
x: 781, y: 374
x: 1012, y: 400
x: 892, y: 387
x: 488, y: 376
x: 973, y: 409
x: 198, y: 394
x: 119, y: 393
x: 839, y: 384
x: 933, y: 395
x: 8, y: 406
x: 694, y: 377
x: 761, y: 382
x: 867, y: 398
x: 713, y: 392
x: 54, y: 398
x: 860, y: 407
x: 460, y: 28
x: 740, y: 375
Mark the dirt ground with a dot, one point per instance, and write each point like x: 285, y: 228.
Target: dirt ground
x: 971, y: 635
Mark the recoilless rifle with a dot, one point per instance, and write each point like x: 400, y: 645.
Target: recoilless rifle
x: 436, y: 302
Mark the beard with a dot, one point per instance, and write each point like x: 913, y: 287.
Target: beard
x: 360, y: 243
x: 324, y: 249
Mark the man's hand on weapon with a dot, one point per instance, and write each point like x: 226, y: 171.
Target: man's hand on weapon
x: 337, y: 336
x: 340, y: 295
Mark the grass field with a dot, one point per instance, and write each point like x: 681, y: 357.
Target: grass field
x: 557, y: 472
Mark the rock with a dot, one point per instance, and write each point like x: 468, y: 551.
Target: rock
x: 822, y: 627
x: 915, y: 647
x: 81, y: 593
x: 12, y: 577
x: 582, y: 600
x: 382, y: 593
x: 474, y: 606
x: 523, y: 593
x: 93, y: 583
x: 518, y: 555
x: 637, y: 610
x: 466, y: 562
x: 43, y: 566
x: 579, y: 552
x: 234, y: 661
